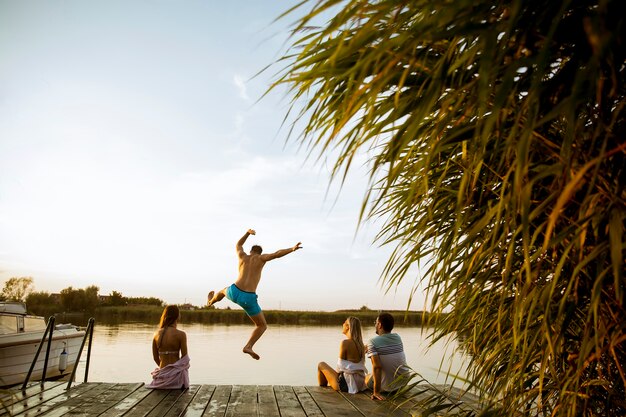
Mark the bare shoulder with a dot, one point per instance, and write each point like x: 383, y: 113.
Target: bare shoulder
x: 347, y: 345
x: 267, y: 257
x: 350, y: 345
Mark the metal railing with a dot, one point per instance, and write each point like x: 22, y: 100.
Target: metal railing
x: 49, y: 329
x: 88, y: 332
x: 48, y: 333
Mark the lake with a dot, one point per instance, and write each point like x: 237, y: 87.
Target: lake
x: 289, y: 354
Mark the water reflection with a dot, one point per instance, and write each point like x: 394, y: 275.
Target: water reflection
x: 289, y: 354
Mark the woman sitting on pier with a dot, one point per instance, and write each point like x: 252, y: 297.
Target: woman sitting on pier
x: 169, y: 350
x: 350, y: 374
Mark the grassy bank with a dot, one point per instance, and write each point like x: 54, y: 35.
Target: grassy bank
x: 152, y: 314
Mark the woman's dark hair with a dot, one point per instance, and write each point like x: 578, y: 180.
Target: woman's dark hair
x: 386, y: 321
x: 170, y: 314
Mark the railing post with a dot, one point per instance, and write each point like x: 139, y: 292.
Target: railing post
x: 89, y: 332
x: 43, y: 339
x: 91, y: 323
x: 45, y: 361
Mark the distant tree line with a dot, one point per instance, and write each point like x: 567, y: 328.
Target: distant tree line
x: 151, y: 314
x: 117, y: 299
x: 81, y: 303
x: 69, y: 300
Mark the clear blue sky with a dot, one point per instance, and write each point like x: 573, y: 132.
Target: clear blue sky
x: 134, y: 154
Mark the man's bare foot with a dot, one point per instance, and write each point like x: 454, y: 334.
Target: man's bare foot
x: 250, y: 352
x: 210, y: 298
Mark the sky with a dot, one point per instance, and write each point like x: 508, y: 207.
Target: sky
x: 135, y: 150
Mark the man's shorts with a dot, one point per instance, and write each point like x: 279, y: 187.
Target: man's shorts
x: 247, y: 300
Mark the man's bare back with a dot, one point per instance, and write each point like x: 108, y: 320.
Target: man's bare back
x: 250, y: 267
x: 243, y: 291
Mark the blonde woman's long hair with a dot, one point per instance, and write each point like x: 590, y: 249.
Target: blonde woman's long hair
x: 356, y: 335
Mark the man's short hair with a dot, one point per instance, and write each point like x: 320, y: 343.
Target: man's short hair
x: 386, y: 321
x: 256, y: 249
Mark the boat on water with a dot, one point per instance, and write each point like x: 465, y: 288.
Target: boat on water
x: 20, y: 337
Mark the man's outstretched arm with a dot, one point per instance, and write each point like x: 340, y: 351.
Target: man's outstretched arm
x: 280, y: 253
x: 241, y: 241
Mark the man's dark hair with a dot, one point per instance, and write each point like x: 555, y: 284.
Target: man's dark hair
x: 386, y: 321
x: 256, y: 249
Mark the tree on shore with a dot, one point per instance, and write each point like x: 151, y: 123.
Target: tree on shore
x: 115, y: 299
x: 16, y: 289
x: 42, y: 302
x: 80, y: 300
x: 494, y: 133
x: 149, y: 301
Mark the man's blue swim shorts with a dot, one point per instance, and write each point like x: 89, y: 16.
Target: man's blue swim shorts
x: 247, y: 300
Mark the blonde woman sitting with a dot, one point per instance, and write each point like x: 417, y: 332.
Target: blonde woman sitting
x: 349, y: 375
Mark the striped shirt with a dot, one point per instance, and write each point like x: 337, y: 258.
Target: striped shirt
x: 388, y: 347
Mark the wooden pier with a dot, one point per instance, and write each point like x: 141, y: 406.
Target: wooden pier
x: 135, y: 400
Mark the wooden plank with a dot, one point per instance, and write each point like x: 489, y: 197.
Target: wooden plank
x: 308, y: 404
x: 113, y: 397
x: 242, y: 402
x: 332, y: 403
x: 167, y: 403
x: 132, y: 400
x: 55, y: 394
x: 182, y: 401
x: 128, y: 402
x: 71, y: 398
x: 236, y: 397
x: 219, y: 401
x: 14, y: 399
x: 200, y: 401
x: 170, y: 400
x: 20, y: 401
x: 288, y: 403
x: 15, y: 395
x: 148, y: 403
x: 473, y: 401
x: 56, y: 407
x: 465, y: 401
x: 469, y: 399
x: 417, y: 398
x: 251, y: 400
x: 83, y: 400
x: 267, y: 402
x: 368, y: 407
x: 94, y: 405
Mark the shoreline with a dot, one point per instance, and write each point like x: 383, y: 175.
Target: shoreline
x: 152, y: 314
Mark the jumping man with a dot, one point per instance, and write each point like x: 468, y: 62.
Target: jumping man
x: 243, y: 291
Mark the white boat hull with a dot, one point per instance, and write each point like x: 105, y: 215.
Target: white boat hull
x: 17, y: 352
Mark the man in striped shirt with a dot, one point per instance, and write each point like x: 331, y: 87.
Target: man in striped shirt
x: 389, y: 368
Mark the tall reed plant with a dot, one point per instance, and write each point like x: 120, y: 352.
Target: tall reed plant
x: 495, y: 138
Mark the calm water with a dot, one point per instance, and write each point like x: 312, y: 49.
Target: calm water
x: 289, y: 354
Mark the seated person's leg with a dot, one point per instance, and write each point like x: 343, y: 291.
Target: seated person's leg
x: 327, y: 375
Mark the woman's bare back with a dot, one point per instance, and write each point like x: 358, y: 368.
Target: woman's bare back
x: 170, y: 344
x: 350, y: 352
